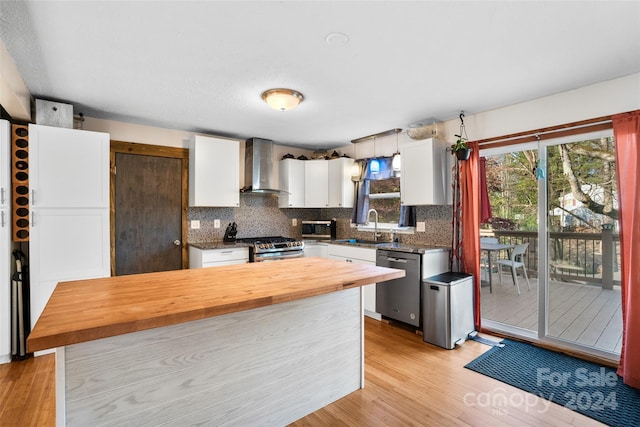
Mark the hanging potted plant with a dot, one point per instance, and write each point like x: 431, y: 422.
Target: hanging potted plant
x: 460, y: 148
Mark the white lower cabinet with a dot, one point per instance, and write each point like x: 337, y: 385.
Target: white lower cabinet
x: 316, y: 249
x: 202, y: 258
x: 359, y: 255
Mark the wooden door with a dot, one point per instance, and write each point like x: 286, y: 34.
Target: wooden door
x: 149, y: 198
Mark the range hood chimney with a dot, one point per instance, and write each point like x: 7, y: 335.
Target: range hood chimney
x: 258, y: 167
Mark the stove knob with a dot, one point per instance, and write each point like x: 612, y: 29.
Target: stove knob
x: 298, y: 243
x: 261, y: 246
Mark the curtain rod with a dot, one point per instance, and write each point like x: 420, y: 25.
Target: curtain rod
x: 567, y: 129
x: 377, y: 135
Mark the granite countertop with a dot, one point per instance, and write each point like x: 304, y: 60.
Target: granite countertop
x: 416, y: 249
x: 219, y: 245
x: 401, y: 247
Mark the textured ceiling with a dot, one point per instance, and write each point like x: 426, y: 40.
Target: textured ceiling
x: 202, y: 66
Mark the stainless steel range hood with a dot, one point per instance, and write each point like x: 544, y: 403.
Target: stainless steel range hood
x: 258, y: 167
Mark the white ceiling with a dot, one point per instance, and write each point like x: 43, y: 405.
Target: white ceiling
x: 202, y: 66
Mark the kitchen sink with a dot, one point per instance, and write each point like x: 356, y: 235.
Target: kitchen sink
x: 361, y: 241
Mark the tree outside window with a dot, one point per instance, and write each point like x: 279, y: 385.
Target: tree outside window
x: 384, y: 197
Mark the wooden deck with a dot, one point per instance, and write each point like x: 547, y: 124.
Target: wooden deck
x: 584, y: 314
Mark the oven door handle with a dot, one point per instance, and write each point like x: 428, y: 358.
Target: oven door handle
x: 271, y: 257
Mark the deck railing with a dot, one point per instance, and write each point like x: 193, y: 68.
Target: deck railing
x: 584, y: 257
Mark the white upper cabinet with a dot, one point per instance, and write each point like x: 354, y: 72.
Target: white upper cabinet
x: 291, y: 180
x: 426, y: 170
x: 68, y: 168
x: 214, y: 171
x: 316, y: 183
x: 341, y: 187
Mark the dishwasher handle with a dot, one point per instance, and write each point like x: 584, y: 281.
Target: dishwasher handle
x: 396, y: 260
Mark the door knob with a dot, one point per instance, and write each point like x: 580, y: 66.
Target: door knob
x: 176, y: 242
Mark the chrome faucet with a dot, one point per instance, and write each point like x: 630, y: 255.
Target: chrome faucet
x: 375, y: 230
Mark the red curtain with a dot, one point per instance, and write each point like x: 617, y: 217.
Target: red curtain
x: 470, y: 208
x: 485, y: 203
x: 626, y: 130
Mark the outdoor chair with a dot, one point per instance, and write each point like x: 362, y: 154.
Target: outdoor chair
x: 484, y: 262
x: 516, y: 261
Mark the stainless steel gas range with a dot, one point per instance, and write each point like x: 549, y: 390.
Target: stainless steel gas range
x: 273, y: 248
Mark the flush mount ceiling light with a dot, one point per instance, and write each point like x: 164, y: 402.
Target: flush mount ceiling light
x: 337, y: 39
x: 282, y: 99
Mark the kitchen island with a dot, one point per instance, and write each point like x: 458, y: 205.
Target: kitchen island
x: 262, y: 343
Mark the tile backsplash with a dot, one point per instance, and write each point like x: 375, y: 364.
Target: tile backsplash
x: 438, y: 228
x: 259, y: 215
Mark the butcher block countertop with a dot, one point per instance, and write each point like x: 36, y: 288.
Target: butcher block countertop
x: 85, y: 310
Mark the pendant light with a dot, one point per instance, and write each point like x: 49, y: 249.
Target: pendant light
x: 396, y: 163
x: 374, y: 163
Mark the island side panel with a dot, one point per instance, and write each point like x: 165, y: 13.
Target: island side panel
x: 266, y: 366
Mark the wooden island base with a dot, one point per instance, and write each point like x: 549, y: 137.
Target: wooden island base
x: 256, y: 344
x: 266, y: 366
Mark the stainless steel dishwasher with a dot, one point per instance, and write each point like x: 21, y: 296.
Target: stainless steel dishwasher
x: 399, y: 299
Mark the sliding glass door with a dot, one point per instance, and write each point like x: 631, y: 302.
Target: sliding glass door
x: 509, y: 301
x: 556, y: 202
x: 584, y: 301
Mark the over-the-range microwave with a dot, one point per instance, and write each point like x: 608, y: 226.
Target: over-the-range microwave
x: 319, y: 230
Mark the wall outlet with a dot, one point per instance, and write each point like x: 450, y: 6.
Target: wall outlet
x: 420, y: 226
x: 294, y: 222
x: 195, y: 224
x: 216, y: 223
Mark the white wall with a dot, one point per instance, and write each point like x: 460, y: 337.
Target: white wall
x: 14, y: 95
x: 130, y: 132
x: 601, y: 99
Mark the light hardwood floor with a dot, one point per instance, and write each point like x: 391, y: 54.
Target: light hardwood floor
x: 584, y: 314
x: 408, y: 383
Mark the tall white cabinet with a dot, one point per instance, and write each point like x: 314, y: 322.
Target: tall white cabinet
x: 5, y: 242
x: 69, y: 201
